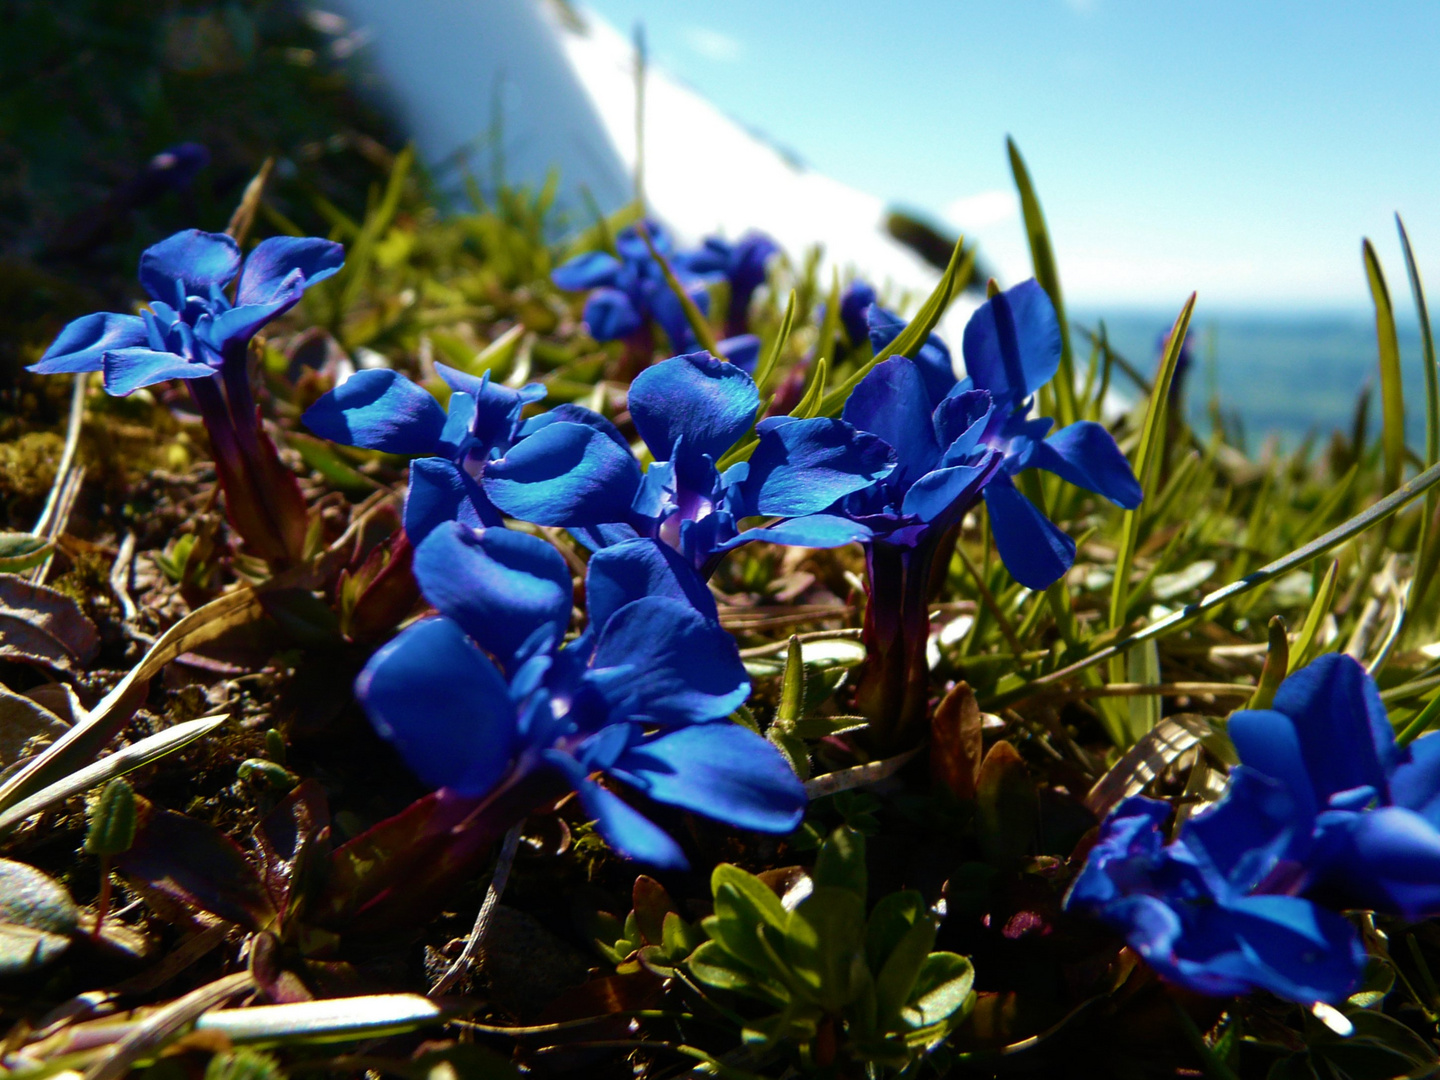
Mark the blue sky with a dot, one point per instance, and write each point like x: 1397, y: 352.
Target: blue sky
x: 1238, y: 148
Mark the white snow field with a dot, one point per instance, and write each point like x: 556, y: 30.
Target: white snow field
x: 561, y: 83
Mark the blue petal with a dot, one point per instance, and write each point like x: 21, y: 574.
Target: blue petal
x: 1283, y: 944
x: 379, y: 409
x: 960, y: 422
x: 1085, y: 454
x: 627, y: 830
x: 721, y: 770
x: 854, y: 306
x: 1012, y: 343
x: 671, y: 315
x: 892, y: 402
x: 1129, y: 837
x: 565, y: 474
x: 127, y: 370
x: 812, y: 531
x: 459, y: 422
x: 1387, y: 859
x: 575, y: 414
x: 1033, y: 548
x: 707, y: 402
x: 610, y: 315
x: 944, y: 495
x: 283, y: 267
x: 1244, y: 836
x: 239, y: 324
x: 1416, y: 784
x: 497, y: 406
x: 802, y: 466
x: 1345, y: 736
x: 84, y: 341
x: 937, y: 369
x: 633, y: 569
x: 195, y: 260
x: 1267, y: 742
x: 441, y: 491
x: 684, y: 668
x: 499, y: 586
x: 588, y: 271
x: 440, y: 701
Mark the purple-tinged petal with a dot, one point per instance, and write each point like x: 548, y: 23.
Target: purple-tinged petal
x: 945, y: 494
x: 588, y: 271
x: 1085, y: 454
x: 127, y: 370
x: 720, y: 770
x: 565, y: 474
x: 499, y: 586
x: 442, y: 704
x: 599, y: 537
x: 892, y: 402
x: 195, y: 260
x: 379, y: 409
x: 80, y: 346
x: 708, y: 403
x: 283, y: 267
x: 1012, y: 343
x: 609, y: 315
x: 634, y: 569
x: 684, y: 669
x: 803, y: 466
x: 440, y: 492
x: 1033, y: 548
x: 960, y: 422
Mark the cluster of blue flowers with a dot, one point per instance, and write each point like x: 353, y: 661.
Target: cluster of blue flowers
x: 494, y: 699
x: 1324, y: 814
x: 628, y: 292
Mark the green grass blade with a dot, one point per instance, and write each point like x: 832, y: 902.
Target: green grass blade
x: 1042, y: 256
x: 771, y: 360
x: 126, y: 759
x: 1145, y: 453
x: 1424, y: 558
x: 810, y: 404
x: 1374, y: 515
x: 1392, y: 401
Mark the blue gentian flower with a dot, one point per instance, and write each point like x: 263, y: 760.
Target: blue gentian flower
x: 486, y: 700
x: 380, y: 409
x: 955, y: 442
x: 1362, y: 814
x: 1012, y: 348
x: 574, y: 469
x: 191, y: 328
x: 629, y: 292
x: 855, y: 310
x: 1200, y: 911
x: 193, y: 331
x: 741, y: 264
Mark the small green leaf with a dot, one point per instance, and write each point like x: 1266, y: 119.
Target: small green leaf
x: 21, y: 551
x: 825, y: 945
x: 1009, y: 810
x: 1392, y: 392
x: 809, y: 405
x: 890, y: 921
x: 744, y: 896
x: 841, y: 862
x: 943, y: 988
x: 1277, y: 663
x: 112, y: 820
x: 792, y: 687
x: 896, y: 980
x: 1304, y: 650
